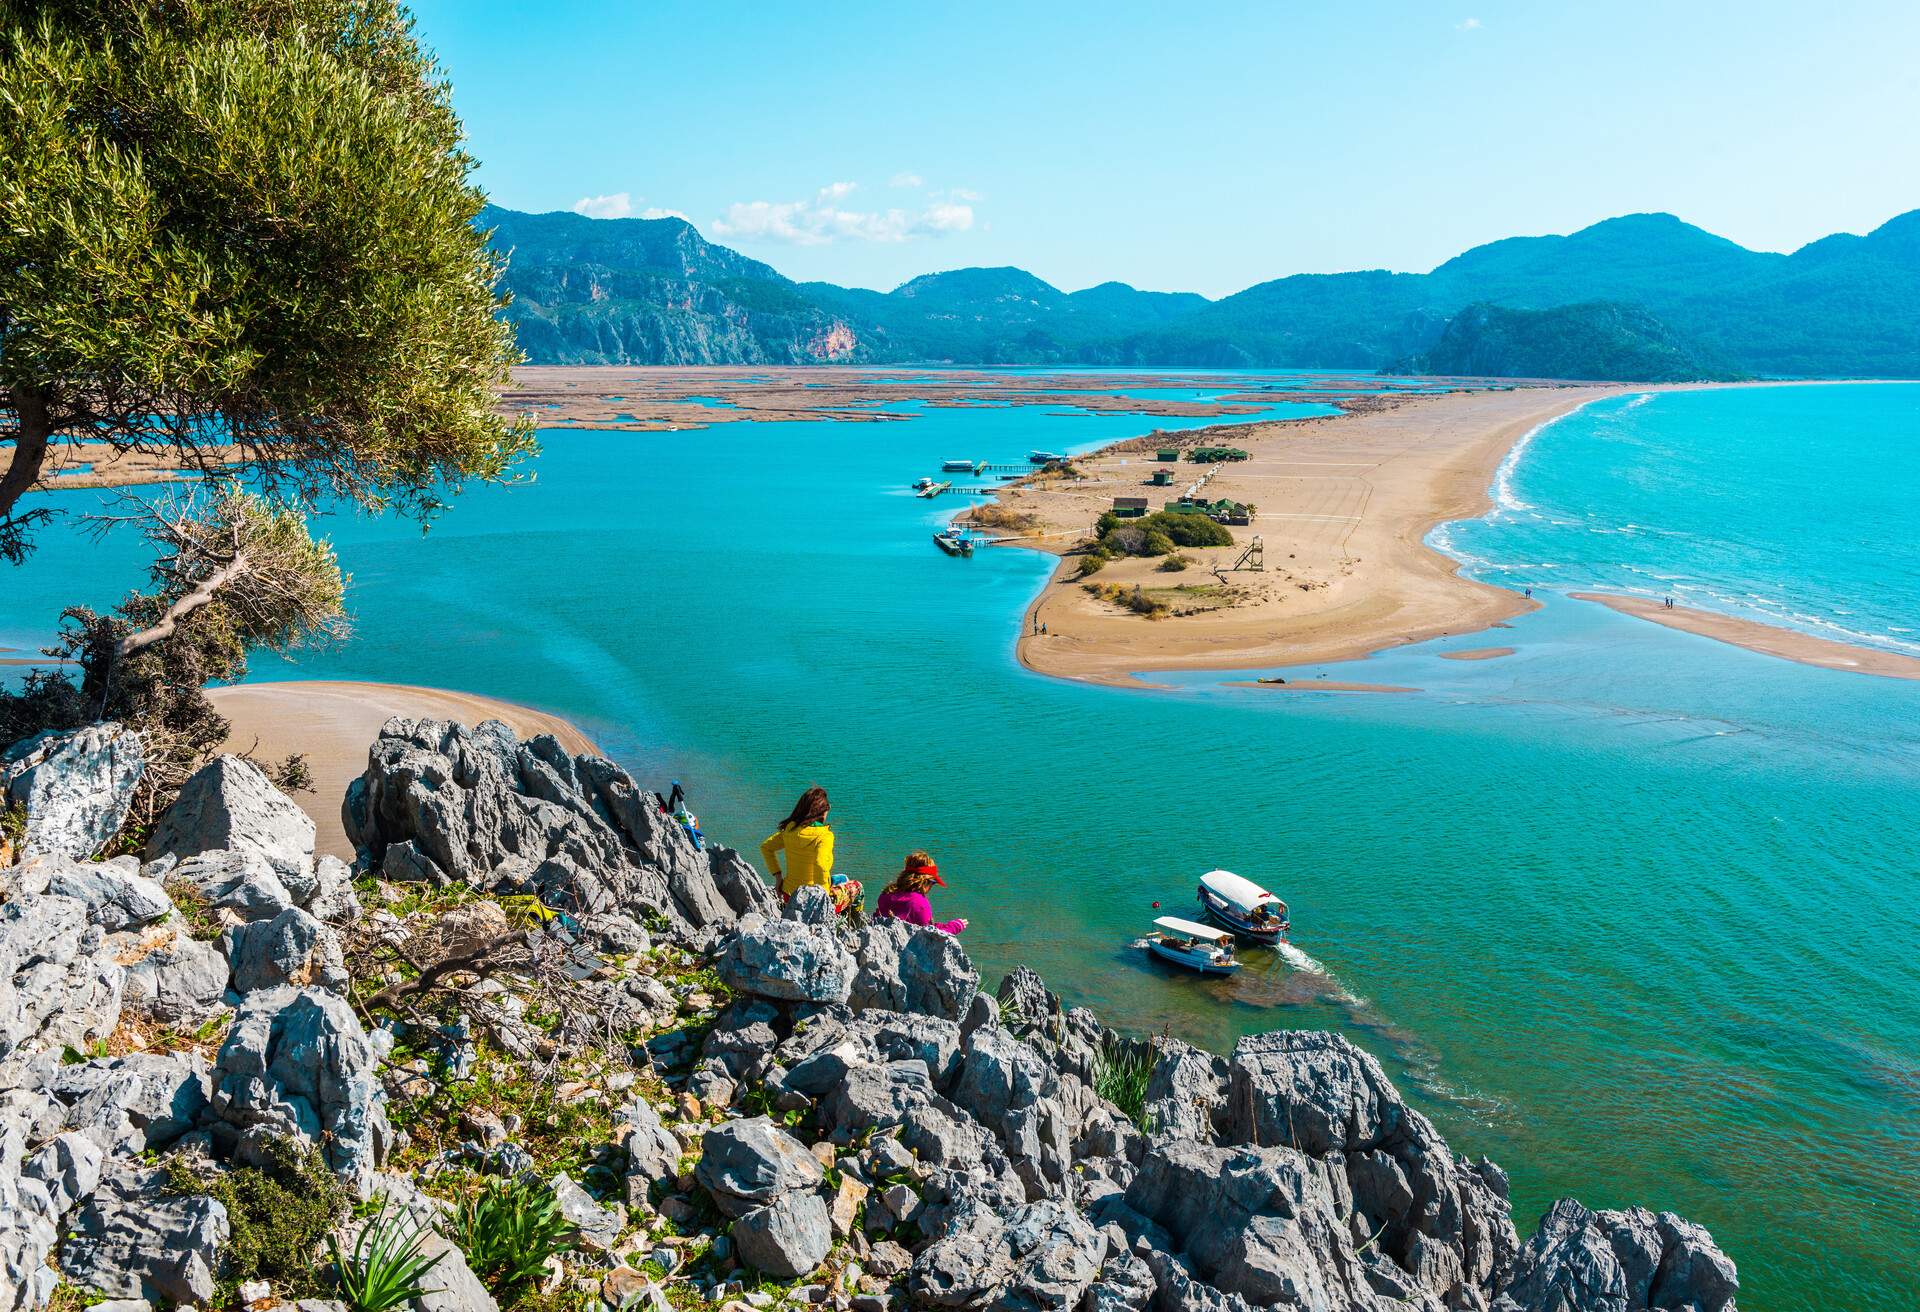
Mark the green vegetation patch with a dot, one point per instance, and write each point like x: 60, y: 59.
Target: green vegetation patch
x: 280, y: 1215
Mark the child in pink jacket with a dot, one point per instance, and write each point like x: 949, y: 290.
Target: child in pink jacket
x: 906, y: 897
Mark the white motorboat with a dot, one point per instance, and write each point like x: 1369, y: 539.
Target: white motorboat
x: 1243, y: 906
x: 1197, y: 947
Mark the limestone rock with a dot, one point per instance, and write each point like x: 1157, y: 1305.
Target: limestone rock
x: 787, y: 1238
x: 333, y: 901
x: 1626, y: 1261
x: 1042, y: 1257
x: 599, y: 1227
x: 242, y: 884
x: 117, y: 895
x: 133, y: 1103
x: 229, y: 804
x: 748, y: 1164
x: 296, y: 1062
x: 291, y: 949
x: 653, y: 1154
x: 56, y: 988
x: 138, y: 1239
x: 903, y: 968
x: 171, y: 977
x: 788, y: 960
x: 75, y: 786
x: 451, y: 1284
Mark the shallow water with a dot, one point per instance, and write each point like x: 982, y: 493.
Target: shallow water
x: 1631, y: 911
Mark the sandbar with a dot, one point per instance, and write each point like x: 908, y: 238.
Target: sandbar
x: 1477, y: 654
x: 334, y: 723
x: 1342, y: 507
x: 1320, y: 685
x: 1768, y: 639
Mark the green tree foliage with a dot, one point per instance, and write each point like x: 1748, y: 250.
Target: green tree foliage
x: 231, y: 574
x: 243, y: 223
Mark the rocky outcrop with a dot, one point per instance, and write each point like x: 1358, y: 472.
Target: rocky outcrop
x: 297, y: 1064
x: 230, y: 805
x: 856, y: 1111
x: 75, y: 786
x: 479, y: 807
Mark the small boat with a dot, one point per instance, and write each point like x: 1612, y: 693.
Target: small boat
x: 1200, y: 948
x: 1243, y: 906
x: 956, y: 466
x: 922, y: 484
x: 1045, y: 457
x: 954, y: 544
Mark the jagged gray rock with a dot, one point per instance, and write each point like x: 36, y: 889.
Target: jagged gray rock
x: 229, y: 804
x: 133, y: 1103
x: 653, y: 1153
x: 75, y: 785
x: 1041, y: 1257
x: 1186, y: 1091
x: 1625, y: 1261
x: 173, y: 979
x: 599, y: 1227
x: 480, y: 805
x: 136, y: 1238
x: 904, y: 968
x: 748, y: 1164
x: 56, y: 988
x: 787, y: 959
x: 333, y: 900
x: 296, y: 1063
x: 292, y: 948
x: 118, y: 897
x: 787, y: 1238
x: 241, y: 883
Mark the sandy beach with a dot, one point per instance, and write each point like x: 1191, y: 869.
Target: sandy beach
x: 334, y: 723
x: 1788, y: 644
x: 1343, y: 505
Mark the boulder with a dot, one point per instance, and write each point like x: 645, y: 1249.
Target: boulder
x: 787, y: 960
x: 1042, y: 1257
x: 296, y: 1063
x: 810, y: 905
x: 903, y: 968
x: 333, y: 901
x: 653, y: 1154
x: 787, y: 1238
x: 291, y: 949
x: 57, y: 989
x: 117, y: 895
x: 1625, y: 1261
x: 229, y: 804
x: 748, y: 1164
x: 136, y: 1238
x: 599, y: 1227
x: 171, y: 977
x: 239, y: 885
x: 1185, y: 1092
x: 75, y: 785
x: 133, y: 1103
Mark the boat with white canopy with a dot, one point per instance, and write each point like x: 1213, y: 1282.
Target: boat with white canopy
x: 1197, y: 947
x: 1243, y: 906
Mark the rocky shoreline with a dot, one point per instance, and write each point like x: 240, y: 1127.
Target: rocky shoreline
x: 532, y: 979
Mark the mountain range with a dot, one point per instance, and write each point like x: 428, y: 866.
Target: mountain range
x: 654, y: 291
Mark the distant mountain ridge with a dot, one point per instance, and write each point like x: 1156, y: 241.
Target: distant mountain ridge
x: 1594, y: 339
x: 654, y: 291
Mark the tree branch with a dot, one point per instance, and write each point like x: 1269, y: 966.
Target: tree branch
x: 202, y: 593
x: 23, y: 472
x: 391, y: 995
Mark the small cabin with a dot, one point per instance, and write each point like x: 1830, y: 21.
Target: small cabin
x: 1129, y: 507
x: 1171, y: 453
x: 1163, y: 477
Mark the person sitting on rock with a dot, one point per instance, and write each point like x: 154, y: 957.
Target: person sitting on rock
x: 906, y: 897
x: 808, y: 845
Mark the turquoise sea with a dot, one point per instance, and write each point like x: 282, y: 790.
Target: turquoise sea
x: 1631, y: 911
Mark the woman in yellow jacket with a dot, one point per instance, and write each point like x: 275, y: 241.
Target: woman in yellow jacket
x: 808, y: 846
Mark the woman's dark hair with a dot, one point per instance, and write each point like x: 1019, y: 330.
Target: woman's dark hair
x: 811, y: 806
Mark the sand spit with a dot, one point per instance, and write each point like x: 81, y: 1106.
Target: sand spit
x: 1768, y: 639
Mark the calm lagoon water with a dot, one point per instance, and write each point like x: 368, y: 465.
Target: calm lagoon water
x: 1632, y: 912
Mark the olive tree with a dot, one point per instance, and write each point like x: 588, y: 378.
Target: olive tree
x: 242, y: 231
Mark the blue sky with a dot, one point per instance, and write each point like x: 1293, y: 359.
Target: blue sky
x: 1196, y: 147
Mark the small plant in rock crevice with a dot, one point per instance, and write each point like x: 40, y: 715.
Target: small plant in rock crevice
x: 1121, y: 1072
x: 387, y: 1263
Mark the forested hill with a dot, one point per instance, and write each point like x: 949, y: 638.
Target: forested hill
x: 653, y: 291
x: 1592, y: 340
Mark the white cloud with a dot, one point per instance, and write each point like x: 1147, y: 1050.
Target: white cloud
x: 616, y: 206
x: 1467, y: 25
x: 964, y: 193
x: 821, y: 220
x: 906, y: 180
x: 655, y: 212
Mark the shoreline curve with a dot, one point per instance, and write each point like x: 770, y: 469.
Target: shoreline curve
x: 1757, y: 636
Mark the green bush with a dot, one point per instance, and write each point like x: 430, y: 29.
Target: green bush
x: 508, y: 1229
x: 1189, y: 530
x: 1174, y: 564
x: 280, y: 1214
x: 1121, y: 1073
x: 1092, y: 563
x: 1157, y: 544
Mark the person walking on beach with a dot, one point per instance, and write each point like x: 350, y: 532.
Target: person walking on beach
x: 906, y: 897
x: 806, y: 842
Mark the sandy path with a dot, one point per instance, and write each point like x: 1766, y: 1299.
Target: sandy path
x: 334, y: 723
x: 1344, y: 504
x: 1771, y: 640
